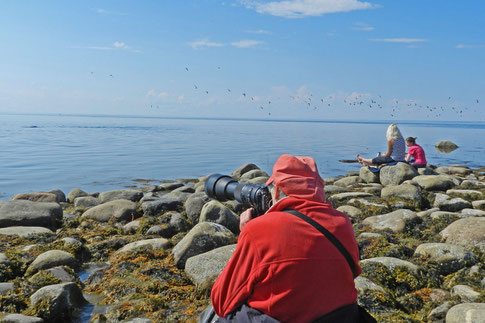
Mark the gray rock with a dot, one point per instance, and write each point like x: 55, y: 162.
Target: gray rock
x: 121, y: 210
x: 254, y: 173
x: 131, y: 195
x: 176, y: 195
x: 472, y: 212
x: 358, y: 202
x: 467, y: 312
x: 445, y: 146
x: 330, y: 180
x: 187, y: 188
x: 75, y: 193
x: 367, y: 176
x: 404, y: 191
x: 5, y: 287
x: 467, y: 232
x: 397, y: 174
x: 72, y: 242
x: 332, y: 189
x: 154, y: 244
x: 466, y: 194
x: 24, y: 231
x: 348, y: 181
x: 161, y: 206
x: 27, y: 213
x: 374, y: 190
x: 470, y: 184
x: 370, y: 235
x: 20, y: 318
x: 426, y: 171
x: 453, y: 170
x: 438, y: 314
x: 194, y: 204
x: 203, y: 237
x: 203, y: 269
x: 438, y: 215
x: 64, y: 301
x: 242, y: 170
x: 215, y: 211
x: 427, y: 213
x: 434, y: 182
x: 454, y: 205
x: 131, y: 227
x: 61, y: 274
x: 342, y: 197
x: 439, y: 198
x: 86, y: 201
x: 169, y: 186
x: 396, y: 221
x: 351, y: 211
x: 479, y: 205
x: 179, y: 223
x: 36, y: 197
x: 52, y: 258
x: 391, y: 263
x: 4, y: 259
x: 449, y: 258
x: 466, y: 293
x: 60, y: 196
x: 363, y: 284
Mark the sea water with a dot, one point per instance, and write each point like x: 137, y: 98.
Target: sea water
x: 99, y: 153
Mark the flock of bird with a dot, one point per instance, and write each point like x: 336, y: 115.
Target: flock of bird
x: 393, y: 107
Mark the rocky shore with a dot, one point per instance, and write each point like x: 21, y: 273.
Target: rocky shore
x: 151, y: 253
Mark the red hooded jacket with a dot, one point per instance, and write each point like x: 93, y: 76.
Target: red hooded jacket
x: 283, y: 266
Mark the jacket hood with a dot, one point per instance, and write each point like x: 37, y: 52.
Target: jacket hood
x: 297, y: 176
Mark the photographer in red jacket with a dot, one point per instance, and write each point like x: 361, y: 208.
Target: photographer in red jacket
x: 283, y: 268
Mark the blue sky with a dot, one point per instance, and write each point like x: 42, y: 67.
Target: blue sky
x: 303, y: 59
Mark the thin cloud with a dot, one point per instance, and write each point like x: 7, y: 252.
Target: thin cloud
x: 204, y: 43
x: 400, y: 40
x: 108, y: 12
x: 117, y: 45
x: 246, y: 43
x: 461, y: 46
x: 306, y: 8
x: 259, y: 32
x: 361, y: 26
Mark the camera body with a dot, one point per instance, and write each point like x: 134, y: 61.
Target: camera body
x: 223, y: 188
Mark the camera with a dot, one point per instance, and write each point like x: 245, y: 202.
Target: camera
x: 223, y: 188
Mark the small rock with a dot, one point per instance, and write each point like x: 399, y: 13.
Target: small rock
x: 246, y: 177
x: 439, y: 313
x: 367, y: 176
x: 479, y: 205
x: 396, y: 221
x: 24, y: 231
x: 391, y: 263
x: 154, y: 244
x: 467, y: 312
x: 397, y: 174
x: 348, y: 181
x: 215, y: 211
x: 52, y: 258
x: 122, y: 210
x: 454, y: 204
x: 467, y: 232
x: 449, y: 258
x: 36, y: 197
x: 242, y: 170
x: 131, y: 195
x: 74, y: 193
x: 5, y: 287
x: 351, y: 211
x: 131, y: 227
x: 86, y: 201
x: 363, y: 284
x: 466, y: 293
x: 434, y: 182
x: 194, y: 204
x: 451, y: 170
x: 472, y: 212
x: 20, y: 318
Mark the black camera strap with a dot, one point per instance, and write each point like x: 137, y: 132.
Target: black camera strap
x: 328, y: 235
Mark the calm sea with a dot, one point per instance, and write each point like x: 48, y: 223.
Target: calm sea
x: 99, y: 153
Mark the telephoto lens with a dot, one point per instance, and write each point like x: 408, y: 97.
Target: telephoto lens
x: 223, y: 188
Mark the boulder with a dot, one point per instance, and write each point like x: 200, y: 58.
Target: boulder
x: 121, y: 210
x: 52, y: 258
x: 440, y: 215
x: 445, y: 146
x: 342, y: 197
x: 466, y: 293
x: 467, y: 232
x: 454, y: 205
x: 203, y: 237
x: 438, y: 314
x: 471, y: 212
x: 470, y: 195
x: 254, y: 173
x: 179, y: 223
x: 242, y: 170
x: 466, y: 312
x: 367, y: 176
x: 21, y: 318
x: 332, y: 189
x: 351, y: 211
x: 24, y: 231
x: 193, y: 206
x: 449, y: 258
x: 215, y: 211
x: 390, y: 263
x: 58, y: 303
x: 363, y: 284
x: 131, y: 195
x: 169, y: 186
x: 161, y: 206
x: 5, y: 288
x: 396, y: 174
x: 60, y: 273
x: 75, y: 193
x: 86, y: 201
x: 434, y: 182
x: 4, y: 259
x: 27, y: 213
x: 60, y: 196
x: 453, y: 170
x: 479, y: 205
x: 178, y: 195
x: 131, y: 227
x: 426, y: 171
x: 203, y: 269
x: 396, y: 221
x: 36, y: 197
x: 348, y: 181
x: 154, y: 244
x: 404, y: 191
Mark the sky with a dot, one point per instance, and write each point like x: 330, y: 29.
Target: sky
x: 294, y: 59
